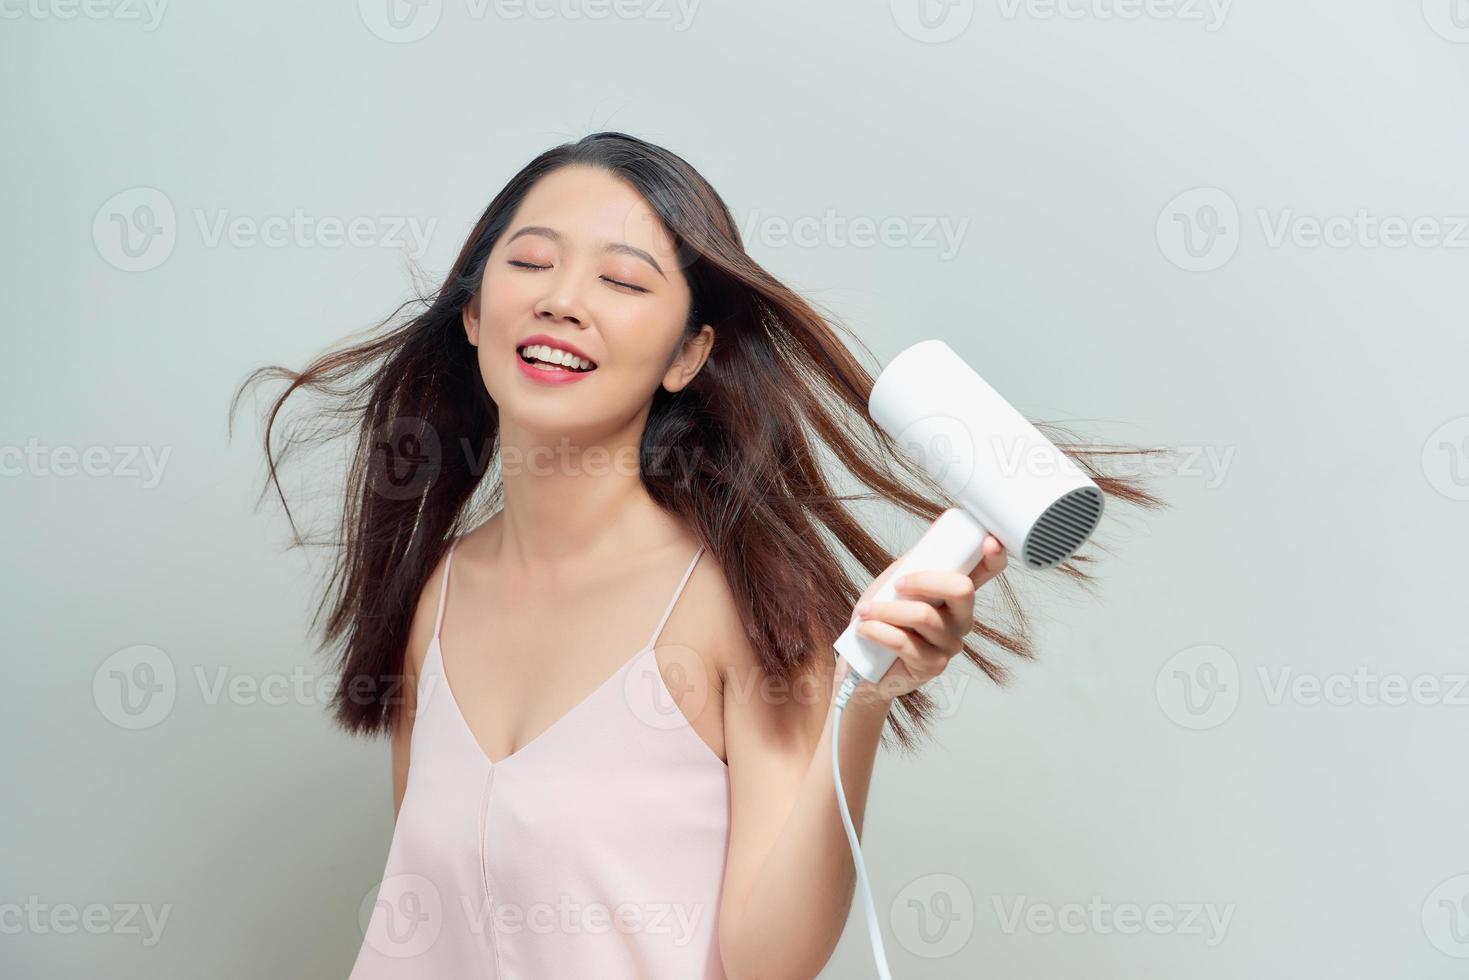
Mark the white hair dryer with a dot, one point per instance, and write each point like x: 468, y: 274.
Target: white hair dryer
x: 1012, y: 481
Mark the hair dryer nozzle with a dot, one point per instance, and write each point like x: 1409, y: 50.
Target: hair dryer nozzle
x: 1060, y: 532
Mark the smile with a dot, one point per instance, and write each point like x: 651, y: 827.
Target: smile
x: 549, y: 358
x: 552, y: 373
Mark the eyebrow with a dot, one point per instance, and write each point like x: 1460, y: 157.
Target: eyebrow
x: 557, y: 237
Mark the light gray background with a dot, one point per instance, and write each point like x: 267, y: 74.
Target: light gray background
x: 1150, y: 758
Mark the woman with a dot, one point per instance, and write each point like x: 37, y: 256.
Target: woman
x: 609, y: 376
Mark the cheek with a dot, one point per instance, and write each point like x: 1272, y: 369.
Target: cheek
x: 641, y: 335
x: 636, y: 354
x: 503, y: 303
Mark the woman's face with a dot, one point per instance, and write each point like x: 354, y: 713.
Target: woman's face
x: 584, y: 263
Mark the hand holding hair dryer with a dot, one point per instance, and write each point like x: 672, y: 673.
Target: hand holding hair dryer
x: 1010, y: 480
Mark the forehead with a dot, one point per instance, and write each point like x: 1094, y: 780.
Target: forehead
x: 592, y: 208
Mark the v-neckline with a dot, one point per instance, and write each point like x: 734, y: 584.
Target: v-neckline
x: 438, y: 649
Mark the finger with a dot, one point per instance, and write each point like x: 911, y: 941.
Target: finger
x: 953, y: 589
x: 993, y: 560
x: 921, y: 658
x: 924, y: 619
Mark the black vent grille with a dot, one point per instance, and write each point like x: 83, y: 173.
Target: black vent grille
x: 1063, y: 528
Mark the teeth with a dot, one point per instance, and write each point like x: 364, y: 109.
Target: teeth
x: 554, y: 355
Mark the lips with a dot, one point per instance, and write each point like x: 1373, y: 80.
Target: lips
x: 546, y: 340
x: 552, y: 376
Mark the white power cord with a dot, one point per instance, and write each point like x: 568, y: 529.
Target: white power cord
x: 874, y: 928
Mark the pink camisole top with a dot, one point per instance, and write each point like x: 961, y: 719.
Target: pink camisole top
x: 596, y: 850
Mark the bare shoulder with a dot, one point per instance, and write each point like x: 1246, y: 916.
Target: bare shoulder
x: 690, y: 646
x: 790, y: 711
x: 712, y: 613
x: 421, y: 631
x: 426, y: 610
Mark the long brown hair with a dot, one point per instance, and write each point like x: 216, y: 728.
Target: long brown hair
x: 735, y: 454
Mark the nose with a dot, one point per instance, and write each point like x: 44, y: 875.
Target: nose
x: 561, y: 302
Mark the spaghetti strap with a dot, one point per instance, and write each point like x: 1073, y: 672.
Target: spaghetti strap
x: 658, y: 630
x: 444, y: 588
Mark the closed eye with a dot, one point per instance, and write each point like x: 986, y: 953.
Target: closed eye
x: 615, y: 282
x: 627, y: 285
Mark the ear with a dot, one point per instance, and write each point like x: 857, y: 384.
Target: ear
x: 471, y: 320
x: 691, y: 357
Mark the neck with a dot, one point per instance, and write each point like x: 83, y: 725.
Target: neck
x: 570, y: 498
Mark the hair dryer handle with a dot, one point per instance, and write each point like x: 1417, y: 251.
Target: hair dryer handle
x: 953, y: 543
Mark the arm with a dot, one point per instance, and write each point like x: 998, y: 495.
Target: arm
x: 789, y: 876
x: 420, y: 631
x: 402, y: 736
